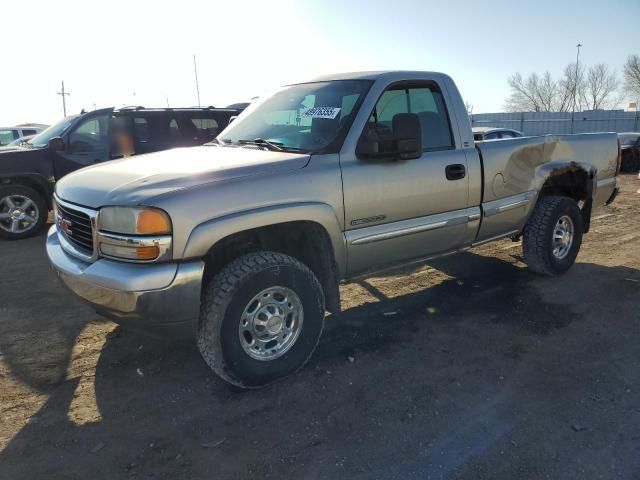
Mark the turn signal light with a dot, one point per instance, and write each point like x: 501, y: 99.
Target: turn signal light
x: 130, y: 253
x: 152, y: 222
x: 147, y: 253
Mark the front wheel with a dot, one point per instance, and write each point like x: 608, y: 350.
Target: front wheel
x: 553, y: 235
x: 23, y: 212
x: 261, y: 319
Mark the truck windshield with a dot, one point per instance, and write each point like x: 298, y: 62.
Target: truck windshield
x: 55, y: 130
x: 308, y: 117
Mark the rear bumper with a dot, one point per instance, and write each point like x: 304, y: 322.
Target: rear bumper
x: 163, y: 296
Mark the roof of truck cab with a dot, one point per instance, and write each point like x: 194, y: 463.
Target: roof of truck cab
x: 375, y: 75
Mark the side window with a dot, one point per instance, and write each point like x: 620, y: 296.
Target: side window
x: 426, y: 102
x: 8, y: 136
x: 90, y: 135
x: 28, y: 132
x: 207, y: 128
x: 140, y: 130
x: 491, y: 136
x: 174, y: 131
x: 506, y: 134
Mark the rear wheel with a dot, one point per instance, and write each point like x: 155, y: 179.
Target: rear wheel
x: 553, y: 235
x: 23, y: 212
x: 261, y: 319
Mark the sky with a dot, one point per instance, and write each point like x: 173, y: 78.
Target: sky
x: 141, y: 52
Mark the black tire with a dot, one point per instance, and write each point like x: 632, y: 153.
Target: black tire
x: 630, y: 162
x: 538, y: 235
x: 225, y: 298
x: 38, y: 205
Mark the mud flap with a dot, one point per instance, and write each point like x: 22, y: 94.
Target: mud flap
x: 586, y: 213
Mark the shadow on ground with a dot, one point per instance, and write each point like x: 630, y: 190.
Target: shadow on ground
x: 493, y: 373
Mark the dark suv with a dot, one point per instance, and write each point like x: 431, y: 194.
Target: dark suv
x: 29, y: 171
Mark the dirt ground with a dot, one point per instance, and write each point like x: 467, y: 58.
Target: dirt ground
x: 469, y: 367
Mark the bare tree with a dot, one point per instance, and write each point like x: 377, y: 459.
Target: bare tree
x: 591, y: 88
x: 469, y: 108
x: 632, y: 76
x: 600, y: 88
x: 533, y: 94
x: 570, y: 88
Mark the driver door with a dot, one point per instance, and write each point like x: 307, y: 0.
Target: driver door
x: 399, y: 210
x: 88, y: 142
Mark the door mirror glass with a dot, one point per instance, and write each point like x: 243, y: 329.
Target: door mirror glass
x: 407, y: 134
x: 403, y: 141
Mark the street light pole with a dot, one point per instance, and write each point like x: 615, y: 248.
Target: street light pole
x: 195, y: 69
x: 64, y: 102
x: 575, y: 87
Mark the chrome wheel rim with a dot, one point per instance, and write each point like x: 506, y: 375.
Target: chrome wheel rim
x: 18, y: 214
x: 271, y: 323
x: 563, y: 234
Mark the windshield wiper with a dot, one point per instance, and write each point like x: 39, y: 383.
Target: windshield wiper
x: 276, y: 146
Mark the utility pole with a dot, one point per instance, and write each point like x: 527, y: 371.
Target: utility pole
x: 195, y: 69
x: 64, y: 100
x: 575, y: 87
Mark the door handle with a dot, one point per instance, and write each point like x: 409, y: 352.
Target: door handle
x: 455, y: 171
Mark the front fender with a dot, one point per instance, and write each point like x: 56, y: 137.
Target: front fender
x: 208, y: 233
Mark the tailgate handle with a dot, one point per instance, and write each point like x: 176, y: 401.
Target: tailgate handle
x: 455, y: 171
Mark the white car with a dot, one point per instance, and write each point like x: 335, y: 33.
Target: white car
x: 481, y: 134
x: 9, y: 134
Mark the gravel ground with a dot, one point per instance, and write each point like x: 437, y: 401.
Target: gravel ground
x: 469, y: 367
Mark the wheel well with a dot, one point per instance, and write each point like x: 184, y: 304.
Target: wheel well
x: 31, y: 183
x: 306, y: 241
x: 574, y: 183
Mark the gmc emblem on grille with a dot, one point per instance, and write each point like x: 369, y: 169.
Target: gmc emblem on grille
x: 65, y: 225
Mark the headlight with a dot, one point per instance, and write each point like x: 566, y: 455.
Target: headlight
x: 134, y: 233
x: 134, y: 221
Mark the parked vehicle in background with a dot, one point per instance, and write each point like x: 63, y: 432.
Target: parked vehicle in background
x: 28, y: 171
x: 20, y: 141
x: 239, y: 106
x: 630, y: 145
x: 10, y: 134
x: 245, y: 240
x: 481, y: 134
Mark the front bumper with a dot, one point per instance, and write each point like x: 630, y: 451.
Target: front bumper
x: 163, y: 296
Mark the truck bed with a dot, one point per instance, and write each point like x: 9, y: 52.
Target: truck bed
x: 514, y: 170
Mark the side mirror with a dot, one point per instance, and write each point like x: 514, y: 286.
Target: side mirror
x: 407, y: 134
x: 402, y: 142
x: 56, y: 144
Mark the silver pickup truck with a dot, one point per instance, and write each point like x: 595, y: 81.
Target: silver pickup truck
x: 245, y: 240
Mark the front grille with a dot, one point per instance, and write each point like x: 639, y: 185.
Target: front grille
x: 77, y: 228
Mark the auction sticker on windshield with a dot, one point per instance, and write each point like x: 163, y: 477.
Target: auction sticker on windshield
x: 320, y: 112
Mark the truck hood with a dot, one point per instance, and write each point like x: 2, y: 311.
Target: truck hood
x: 136, y: 180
